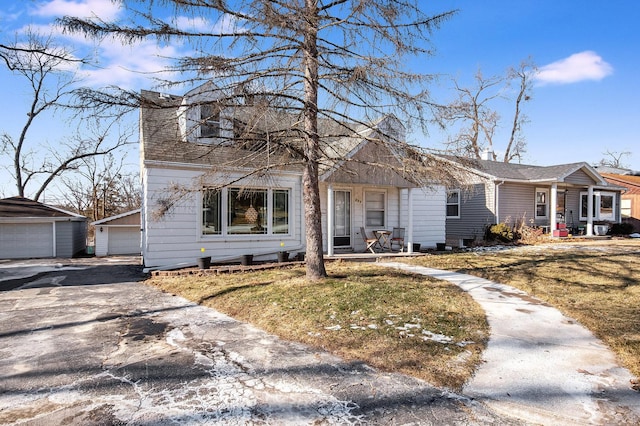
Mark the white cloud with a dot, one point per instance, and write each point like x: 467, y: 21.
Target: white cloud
x: 581, y: 66
x: 129, y: 66
x: 104, y: 9
x: 192, y: 23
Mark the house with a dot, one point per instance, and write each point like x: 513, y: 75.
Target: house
x: 118, y: 235
x: 29, y: 229
x: 572, y: 196
x: 630, y: 202
x: 214, y: 182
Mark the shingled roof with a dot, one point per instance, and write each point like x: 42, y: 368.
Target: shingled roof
x: 529, y: 173
x: 24, y: 207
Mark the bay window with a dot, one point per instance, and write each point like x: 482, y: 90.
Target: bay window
x: 604, y: 206
x: 236, y: 211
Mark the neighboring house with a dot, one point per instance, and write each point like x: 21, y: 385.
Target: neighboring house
x: 630, y: 203
x: 262, y: 215
x: 574, y: 195
x: 29, y: 229
x: 117, y: 235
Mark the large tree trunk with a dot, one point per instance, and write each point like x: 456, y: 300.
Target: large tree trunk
x: 310, y: 186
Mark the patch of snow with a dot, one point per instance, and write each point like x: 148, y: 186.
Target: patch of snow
x: 333, y: 327
x: 436, y: 337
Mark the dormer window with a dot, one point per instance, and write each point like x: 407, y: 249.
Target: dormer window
x: 210, y: 121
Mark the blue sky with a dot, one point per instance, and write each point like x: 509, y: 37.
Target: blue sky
x: 585, y: 101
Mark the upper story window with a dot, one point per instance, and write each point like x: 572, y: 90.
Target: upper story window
x: 203, y: 117
x: 375, y: 208
x: 209, y: 121
x: 542, y: 203
x: 453, y: 203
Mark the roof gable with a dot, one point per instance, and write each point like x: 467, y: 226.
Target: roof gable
x: 127, y: 218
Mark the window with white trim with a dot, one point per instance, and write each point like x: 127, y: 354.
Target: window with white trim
x: 604, y: 205
x: 375, y: 208
x: 236, y: 211
x: 625, y: 208
x: 542, y: 203
x: 209, y: 121
x: 453, y: 203
x: 211, y: 212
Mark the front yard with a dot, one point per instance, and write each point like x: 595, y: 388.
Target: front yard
x: 594, y: 282
x: 424, y: 327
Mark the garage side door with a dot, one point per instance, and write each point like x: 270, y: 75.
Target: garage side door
x: 125, y: 240
x: 19, y: 241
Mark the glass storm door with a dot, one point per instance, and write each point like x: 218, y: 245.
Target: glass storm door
x: 342, y: 219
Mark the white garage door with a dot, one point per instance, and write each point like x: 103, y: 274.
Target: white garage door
x: 125, y: 240
x: 19, y: 240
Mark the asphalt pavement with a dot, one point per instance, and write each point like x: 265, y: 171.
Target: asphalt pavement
x: 85, y: 342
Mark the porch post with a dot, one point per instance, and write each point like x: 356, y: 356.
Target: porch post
x: 553, y: 208
x: 330, y: 219
x: 410, y: 224
x: 590, y: 211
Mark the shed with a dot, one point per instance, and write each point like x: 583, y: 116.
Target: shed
x: 29, y: 229
x: 118, y: 235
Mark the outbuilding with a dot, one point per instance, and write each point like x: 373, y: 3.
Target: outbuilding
x: 29, y: 229
x: 118, y: 235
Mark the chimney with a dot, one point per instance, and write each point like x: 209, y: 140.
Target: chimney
x: 487, y: 154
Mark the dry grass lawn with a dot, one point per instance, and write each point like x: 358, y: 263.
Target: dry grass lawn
x: 389, y: 319
x: 597, y: 283
x: 424, y: 327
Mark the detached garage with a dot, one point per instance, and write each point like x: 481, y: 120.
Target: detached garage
x: 29, y: 229
x: 118, y: 234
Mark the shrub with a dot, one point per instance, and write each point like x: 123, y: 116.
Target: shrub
x: 621, y: 229
x: 499, y: 232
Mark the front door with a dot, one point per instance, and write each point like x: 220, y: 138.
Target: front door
x: 342, y: 219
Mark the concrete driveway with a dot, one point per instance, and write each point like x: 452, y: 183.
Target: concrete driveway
x: 85, y: 342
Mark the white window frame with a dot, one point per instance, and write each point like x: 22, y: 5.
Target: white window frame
x: 544, y: 191
x: 224, y: 213
x: 597, y: 206
x: 625, y: 208
x: 457, y: 204
x: 367, y: 196
x: 214, y: 122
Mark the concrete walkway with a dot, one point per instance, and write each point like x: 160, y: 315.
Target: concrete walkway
x: 540, y: 365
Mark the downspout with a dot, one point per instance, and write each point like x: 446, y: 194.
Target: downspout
x: 497, y: 202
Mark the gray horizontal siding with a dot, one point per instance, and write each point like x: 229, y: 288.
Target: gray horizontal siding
x: 579, y: 178
x: 475, y: 213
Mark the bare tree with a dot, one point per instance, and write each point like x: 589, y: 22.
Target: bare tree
x: 101, y: 188
x: 474, y: 112
x: 614, y: 159
x: 48, y: 70
x: 310, y: 61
